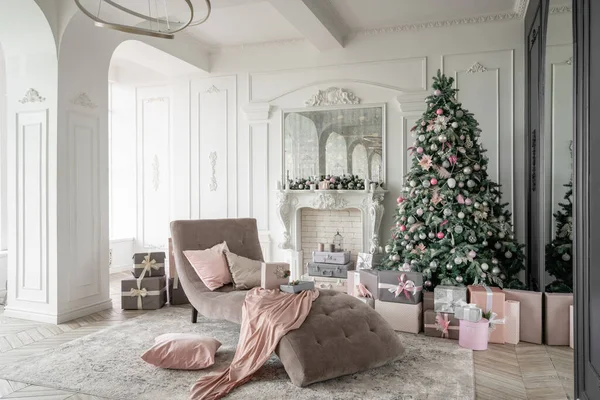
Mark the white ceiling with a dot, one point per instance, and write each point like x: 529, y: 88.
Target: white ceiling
x: 324, y: 23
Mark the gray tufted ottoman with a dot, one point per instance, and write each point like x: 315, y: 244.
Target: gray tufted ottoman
x: 340, y: 336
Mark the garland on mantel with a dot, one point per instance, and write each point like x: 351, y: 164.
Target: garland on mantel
x: 328, y: 182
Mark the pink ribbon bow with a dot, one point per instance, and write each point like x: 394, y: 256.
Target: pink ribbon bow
x: 363, y: 291
x: 406, y: 286
x: 452, y: 159
x: 442, y: 324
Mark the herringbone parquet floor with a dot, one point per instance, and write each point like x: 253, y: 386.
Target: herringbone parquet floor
x: 525, y: 371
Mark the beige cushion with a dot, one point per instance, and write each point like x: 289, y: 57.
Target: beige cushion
x: 210, y: 265
x: 187, y: 351
x: 245, y: 273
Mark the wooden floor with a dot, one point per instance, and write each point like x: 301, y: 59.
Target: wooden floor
x: 525, y: 371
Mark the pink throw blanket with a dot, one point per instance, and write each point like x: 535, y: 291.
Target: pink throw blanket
x: 267, y: 315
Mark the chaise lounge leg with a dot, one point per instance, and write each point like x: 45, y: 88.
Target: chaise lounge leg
x: 194, y: 315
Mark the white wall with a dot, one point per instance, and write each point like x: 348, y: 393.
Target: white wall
x: 378, y: 69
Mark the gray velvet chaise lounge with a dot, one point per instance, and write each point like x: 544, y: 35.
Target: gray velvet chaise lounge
x: 340, y: 336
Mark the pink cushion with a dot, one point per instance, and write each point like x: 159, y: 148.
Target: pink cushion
x: 182, y: 351
x: 210, y: 265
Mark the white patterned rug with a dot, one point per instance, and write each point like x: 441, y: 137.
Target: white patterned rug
x: 107, y: 364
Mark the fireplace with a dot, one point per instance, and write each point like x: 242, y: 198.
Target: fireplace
x: 292, y: 203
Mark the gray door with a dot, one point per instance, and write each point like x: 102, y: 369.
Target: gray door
x: 587, y: 198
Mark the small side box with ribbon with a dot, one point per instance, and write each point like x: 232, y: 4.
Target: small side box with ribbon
x: 491, y: 301
x: 470, y: 312
x: 176, y: 294
x: 441, y: 325
x: 447, y: 298
x: 149, y: 264
x: 400, y: 287
x: 143, y: 294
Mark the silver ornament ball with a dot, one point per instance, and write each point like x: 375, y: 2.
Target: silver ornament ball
x: 458, y: 229
x: 388, y: 249
x: 446, y: 164
x: 431, y: 235
x: 476, y: 167
x: 411, y: 220
x: 413, y: 183
x: 494, y: 261
x: 471, y: 183
x: 448, y: 267
x: 451, y: 183
x: 422, y: 236
x: 461, y: 185
x: 458, y: 261
x: 455, y: 125
x: 566, y: 257
x: 459, y: 279
x: 421, y: 138
x: 442, y: 138
x: 495, y: 270
x: 461, y: 215
x: 508, y: 254
x: 467, y: 170
x: 484, y: 267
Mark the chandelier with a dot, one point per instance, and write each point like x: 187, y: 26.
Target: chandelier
x: 143, y: 17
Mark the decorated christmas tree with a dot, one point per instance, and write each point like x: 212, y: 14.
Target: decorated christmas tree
x: 559, y: 252
x: 450, y: 224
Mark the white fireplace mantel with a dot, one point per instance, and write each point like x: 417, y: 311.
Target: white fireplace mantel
x: 290, y: 202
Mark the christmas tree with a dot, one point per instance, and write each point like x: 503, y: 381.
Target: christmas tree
x: 450, y: 224
x: 559, y: 252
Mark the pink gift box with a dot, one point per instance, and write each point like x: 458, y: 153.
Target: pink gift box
x: 473, y: 335
x: 401, y: 316
x: 272, y: 275
x: 512, y: 309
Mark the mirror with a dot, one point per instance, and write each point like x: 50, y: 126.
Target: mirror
x: 320, y: 141
x: 557, y: 148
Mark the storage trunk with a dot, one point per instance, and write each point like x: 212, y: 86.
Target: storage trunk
x: 328, y: 257
x: 330, y: 270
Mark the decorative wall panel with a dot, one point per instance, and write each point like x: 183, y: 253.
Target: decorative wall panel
x: 258, y: 174
x: 32, y: 198
x: 85, y: 208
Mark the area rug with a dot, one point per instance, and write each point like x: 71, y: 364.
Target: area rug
x: 107, y: 364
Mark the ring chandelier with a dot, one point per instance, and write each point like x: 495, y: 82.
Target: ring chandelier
x: 154, y: 23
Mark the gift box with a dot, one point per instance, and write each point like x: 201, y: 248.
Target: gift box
x: 556, y: 318
x: 571, y: 338
x: 512, y: 309
x: 400, y: 287
x: 470, y: 312
x: 370, y: 280
x: 355, y: 287
x: 368, y: 301
x: 402, y: 317
x: 148, y: 264
x: 428, y: 303
x: 447, y: 298
x: 331, y: 257
x: 441, y: 325
x: 473, y: 335
x: 368, y: 260
x: 491, y: 300
x: 176, y: 295
x: 297, y: 287
x: 273, y: 275
x: 143, y: 294
x: 530, y: 321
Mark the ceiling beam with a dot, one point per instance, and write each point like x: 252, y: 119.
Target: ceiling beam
x: 315, y: 20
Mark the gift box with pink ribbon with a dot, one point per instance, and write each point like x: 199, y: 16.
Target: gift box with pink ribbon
x: 441, y: 325
x: 491, y: 301
x: 400, y: 287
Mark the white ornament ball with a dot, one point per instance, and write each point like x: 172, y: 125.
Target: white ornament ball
x: 502, y: 276
x: 497, y: 245
x: 472, y: 254
x: 485, y: 203
x: 433, y: 264
x: 461, y: 215
x: 458, y: 261
x: 455, y: 125
x: 566, y: 257
x: 451, y: 183
x: 476, y: 205
x: 458, y: 229
x: 483, y: 275
x: 495, y: 270
x: 419, y: 212
x: 406, y: 266
x: 395, y: 257
x: 416, y: 237
x: 472, y: 239
x: 476, y: 167
x: 300, y: 186
x: 409, y: 246
x: 447, y: 212
x: 431, y: 208
x: 494, y: 261
x: 442, y: 138
x: 431, y: 104
x: 448, y: 267
x: 501, y: 235
x: 421, y: 138
x: 461, y: 185
x: 431, y: 235
x: 459, y: 279
x: 434, y: 147
x: 413, y: 183
x: 388, y: 248
x: 411, y: 220
x: 426, y: 183
x: 403, y: 243
x: 484, y: 267
x: 446, y: 164
x: 484, y: 168
x: 423, y: 123
x: 471, y: 183
x: 425, y: 200
x: 459, y: 113
x: 484, y: 243
x: 437, y: 92
x: 422, y: 236
x: 467, y: 170
x: 508, y: 254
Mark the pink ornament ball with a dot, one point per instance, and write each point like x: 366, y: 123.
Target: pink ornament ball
x: 406, y: 237
x: 332, y: 180
x: 400, y: 199
x: 423, y: 123
x: 437, y: 92
x: 402, y: 228
x: 433, y: 181
x: 472, y: 254
x: 439, y: 111
x: 462, y: 137
x: 419, y: 150
x: 440, y: 235
x: 468, y: 202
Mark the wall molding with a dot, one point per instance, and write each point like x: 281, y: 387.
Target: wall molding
x: 560, y: 9
x: 257, y: 112
x: 332, y: 96
x: 83, y: 100
x: 213, y: 164
x: 32, y: 96
x: 412, y: 101
x: 476, y: 67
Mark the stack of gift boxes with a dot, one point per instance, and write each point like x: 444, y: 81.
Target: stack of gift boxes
x: 474, y: 315
x: 329, y: 267
x: 147, y: 288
